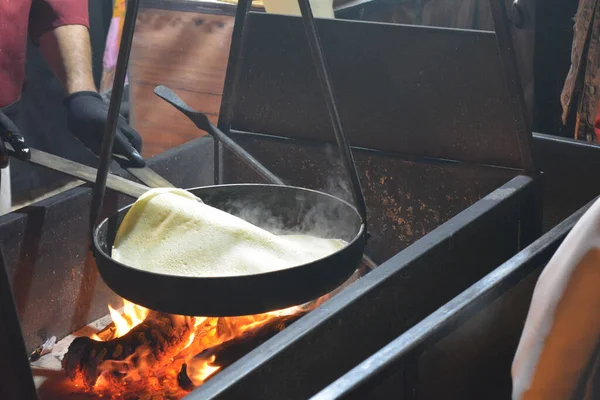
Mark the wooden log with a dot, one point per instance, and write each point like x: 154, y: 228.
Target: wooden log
x: 162, y: 334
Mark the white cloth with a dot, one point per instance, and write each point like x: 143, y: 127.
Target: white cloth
x: 5, y: 192
x: 557, y: 357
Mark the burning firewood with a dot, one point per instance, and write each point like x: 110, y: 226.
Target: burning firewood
x: 145, y: 354
x: 184, y: 380
x: 160, y: 336
x: 221, y: 356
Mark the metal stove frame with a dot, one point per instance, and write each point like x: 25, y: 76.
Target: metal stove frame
x: 466, y: 346
x: 513, y: 209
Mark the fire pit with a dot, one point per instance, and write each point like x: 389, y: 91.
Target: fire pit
x: 139, y: 353
x: 463, y: 350
x: 446, y: 205
x: 58, y: 293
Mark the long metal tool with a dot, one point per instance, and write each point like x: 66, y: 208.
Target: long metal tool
x: 149, y: 177
x: 202, y: 122
x: 113, y: 110
x: 85, y: 173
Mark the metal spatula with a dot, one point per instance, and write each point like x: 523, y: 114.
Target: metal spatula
x: 83, y: 172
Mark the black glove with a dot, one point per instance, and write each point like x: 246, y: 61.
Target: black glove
x: 87, y: 115
x: 10, y: 133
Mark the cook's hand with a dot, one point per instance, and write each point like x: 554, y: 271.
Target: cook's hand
x: 10, y: 133
x: 87, y: 115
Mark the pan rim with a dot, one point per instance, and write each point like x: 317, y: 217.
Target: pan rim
x: 361, y: 233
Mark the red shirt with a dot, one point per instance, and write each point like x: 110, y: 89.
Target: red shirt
x: 36, y: 17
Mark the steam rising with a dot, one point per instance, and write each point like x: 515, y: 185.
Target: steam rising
x: 329, y: 218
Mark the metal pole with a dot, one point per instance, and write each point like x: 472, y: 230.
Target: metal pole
x: 228, y: 100
x: 113, y: 110
x: 513, y: 83
x: 327, y: 87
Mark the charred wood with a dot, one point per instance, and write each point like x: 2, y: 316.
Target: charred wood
x: 184, y: 380
x: 232, y: 350
x: 162, y: 334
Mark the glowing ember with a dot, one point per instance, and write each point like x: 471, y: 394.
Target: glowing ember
x: 199, y: 372
x: 144, y: 352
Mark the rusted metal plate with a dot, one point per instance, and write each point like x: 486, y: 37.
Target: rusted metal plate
x: 406, y: 199
x: 329, y: 341
x: 466, y: 347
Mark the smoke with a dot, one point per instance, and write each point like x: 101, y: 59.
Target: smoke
x: 298, y: 213
x: 336, y: 184
x: 257, y: 215
x: 289, y: 211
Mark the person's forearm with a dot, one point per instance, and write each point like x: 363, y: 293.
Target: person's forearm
x: 68, y: 52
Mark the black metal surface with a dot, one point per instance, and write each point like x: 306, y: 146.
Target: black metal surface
x: 406, y: 197
x: 16, y: 382
x: 330, y: 340
x: 382, y: 368
x: 114, y: 109
x: 513, y: 82
x: 322, y: 69
x: 569, y: 173
x: 422, y: 91
x: 295, y: 209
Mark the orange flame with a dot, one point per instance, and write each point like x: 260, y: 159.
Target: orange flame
x: 132, y: 316
x: 142, y: 373
x: 200, y: 372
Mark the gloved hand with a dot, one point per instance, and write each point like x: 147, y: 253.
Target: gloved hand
x: 10, y: 133
x: 87, y: 115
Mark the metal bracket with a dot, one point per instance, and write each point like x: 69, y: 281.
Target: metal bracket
x: 513, y: 82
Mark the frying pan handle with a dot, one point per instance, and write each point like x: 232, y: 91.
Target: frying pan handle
x: 325, y: 80
x: 202, y: 122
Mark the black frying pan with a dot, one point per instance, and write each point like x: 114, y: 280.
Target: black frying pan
x: 295, y: 209
x: 248, y: 294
